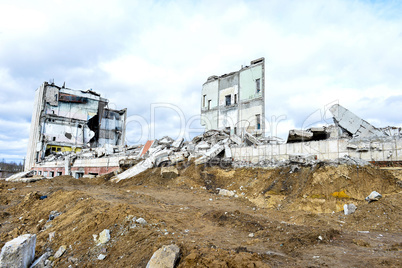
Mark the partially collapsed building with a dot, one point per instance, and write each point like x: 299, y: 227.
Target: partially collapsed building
x: 66, y: 120
x: 73, y: 132
x: 236, y: 101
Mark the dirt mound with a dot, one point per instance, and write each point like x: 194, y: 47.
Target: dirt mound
x: 273, y: 217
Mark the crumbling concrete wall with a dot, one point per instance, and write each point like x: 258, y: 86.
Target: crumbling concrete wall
x: 388, y: 149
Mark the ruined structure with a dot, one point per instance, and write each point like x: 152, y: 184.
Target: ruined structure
x: 66, y: 120
x: 236, y: 101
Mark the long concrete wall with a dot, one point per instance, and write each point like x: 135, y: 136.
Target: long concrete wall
x: 390, y: 150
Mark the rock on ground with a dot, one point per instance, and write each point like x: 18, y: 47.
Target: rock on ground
x: 19, y: 252
x: 41, y: 261
x: 169, y: 172
x: 164, y: 257
x: 60, y: 252
x: 104, y: 236
x: 349, y: 209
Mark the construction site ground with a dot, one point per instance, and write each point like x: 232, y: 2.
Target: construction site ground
x: 283, y: 217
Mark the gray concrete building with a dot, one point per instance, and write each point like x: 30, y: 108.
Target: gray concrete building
x: 65, y: 120
x: 236, y: 101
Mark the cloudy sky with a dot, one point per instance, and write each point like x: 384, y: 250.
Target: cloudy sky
x: 152, y: 57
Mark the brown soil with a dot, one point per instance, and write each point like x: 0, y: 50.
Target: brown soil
x: 278, y: 218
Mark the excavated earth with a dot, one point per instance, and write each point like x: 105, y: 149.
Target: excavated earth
x: 277, y: 217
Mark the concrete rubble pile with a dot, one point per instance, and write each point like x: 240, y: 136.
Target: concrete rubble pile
x: 213, y: 146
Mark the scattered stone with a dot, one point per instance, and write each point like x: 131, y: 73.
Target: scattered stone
x: 51, y: 236
x: 251, y: 235
x: 19, y: 252
x: 164, y: 257
x: 53, y: 215
x: 60, y: 252
x: 104, y: 236
x: 141, y: 221
x: 374, y: 196
x: 40, y: 262
x: 225, y: 192
x: 101, y: 257
x: 169, y: 172
x: 349, y: 209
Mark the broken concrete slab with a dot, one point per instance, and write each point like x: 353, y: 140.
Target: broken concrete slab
x: 135, y: 170
x: 354, y: 124
x: 165, y: 257
x: 19, y: 252
x: 41, y: 261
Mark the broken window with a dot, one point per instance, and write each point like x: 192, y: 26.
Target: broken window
x: 203, y: 100
x: 79, y: 175
x: 228, y: 100
x: 40, y: 172
x: 209, y: 104
x: 59, y: 173
x: 45, y: 173
x: 235, y: 98
x: 258, y: 85
x: 258, y: 120
x: 52, y: 174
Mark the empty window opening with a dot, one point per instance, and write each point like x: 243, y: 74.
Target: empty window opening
x: 54, y: 138
x: 79, y: 175
x: 235, y: 130
x: 258, y: 85
x: 204, y: 97
x: 258, y: 120
x: 40, y: 172
x: 59, y: 173
x: 228, y: 100
x: 235, y: 98
x: 52, y: 174
x: 209, y: 104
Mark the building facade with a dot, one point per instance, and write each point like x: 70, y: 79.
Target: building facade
x: 236, y: 101
x: 66, y: 120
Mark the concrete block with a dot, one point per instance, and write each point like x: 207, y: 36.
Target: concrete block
x: 165, y: 257
x: 19, y: 252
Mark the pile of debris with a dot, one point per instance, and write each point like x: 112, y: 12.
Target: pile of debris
x: 211, y: 147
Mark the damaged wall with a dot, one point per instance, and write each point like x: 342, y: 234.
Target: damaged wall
x: 69, y: 120
x: 235, y: 101
x: 387, y: 149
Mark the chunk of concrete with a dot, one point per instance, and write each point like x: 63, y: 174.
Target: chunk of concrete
x: 41, y: 261
x: 349, y: 209
x: 19, y: 252
x: 169, y: 172
x: 225, y: 192
x: 165, y: 257
x: 60, y: 252
x: 373, y: 196
x: 354, y: 124
x: 104, y: 236
x: 135, y: 170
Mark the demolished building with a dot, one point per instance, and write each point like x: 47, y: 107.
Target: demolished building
x: 66, y: 121
x: 73, y: 132
x: 236, y: 101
